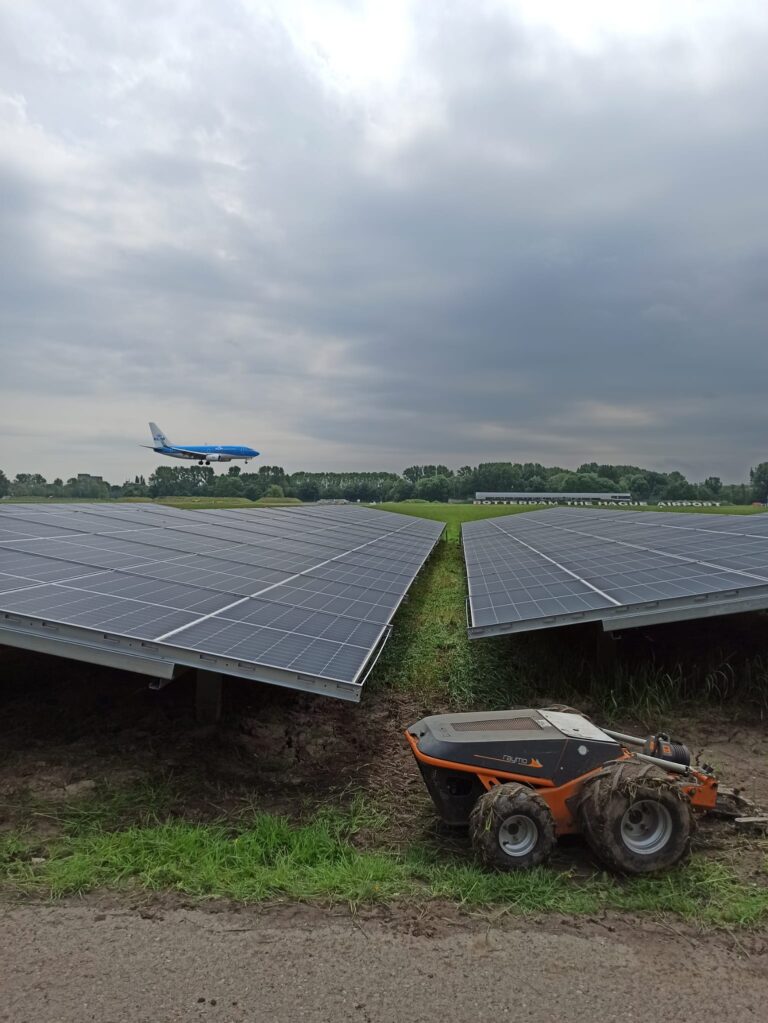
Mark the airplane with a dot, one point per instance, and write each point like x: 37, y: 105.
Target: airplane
x: 201, y: 453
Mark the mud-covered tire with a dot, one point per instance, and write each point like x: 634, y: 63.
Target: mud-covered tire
x: 512, y: 828
x: 635, y: 818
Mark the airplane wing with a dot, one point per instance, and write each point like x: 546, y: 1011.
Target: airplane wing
x: 187, y: 451
x: 173, y: 447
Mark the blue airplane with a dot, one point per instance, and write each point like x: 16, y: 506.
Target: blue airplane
x: 201, y: 453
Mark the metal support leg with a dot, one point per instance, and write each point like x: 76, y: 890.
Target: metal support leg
x: 160, y: 683
x: 207, y: 697
x: 606, y: 648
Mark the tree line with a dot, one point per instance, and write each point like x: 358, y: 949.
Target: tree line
x: 420, y: 482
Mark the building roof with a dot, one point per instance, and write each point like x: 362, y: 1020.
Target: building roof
x: 491, y: 495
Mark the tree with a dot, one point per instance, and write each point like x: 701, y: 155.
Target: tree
x: 758, y: 477
x: 228, y: 486
x: 400, y: 491
x: 272, y: 474
x: 433, y: 488
x: 714, y: 484
x: 29, y: 484
x: 639, y: 487
x: 180, y: 481
x: 4, y: 484
x: 308, y: 490
x: 274, y: 491
x: 413, y: 473
x: 85, y: 485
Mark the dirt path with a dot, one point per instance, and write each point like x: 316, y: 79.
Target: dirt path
x: 72, y: 964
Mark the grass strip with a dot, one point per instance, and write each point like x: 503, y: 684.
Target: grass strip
x: 266, y: 858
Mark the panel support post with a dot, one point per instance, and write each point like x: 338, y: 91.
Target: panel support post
x: 606, y: 648
x: 208, y: 686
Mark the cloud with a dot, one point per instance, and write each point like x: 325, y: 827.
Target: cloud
x: 504, y: 235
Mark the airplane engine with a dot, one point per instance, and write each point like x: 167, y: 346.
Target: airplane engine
x: 218, y: 458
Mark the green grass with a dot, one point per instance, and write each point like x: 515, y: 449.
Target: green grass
x: 454, y: 514
x: 429, y: 654
x: 203, y: 503
x: 264, y: 857
x: 276, y: 502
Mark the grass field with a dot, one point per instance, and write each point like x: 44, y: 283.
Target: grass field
x: 454, y: 514
x: 202, y: 503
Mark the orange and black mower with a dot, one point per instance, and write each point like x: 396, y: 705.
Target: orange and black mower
x: 522, y: 778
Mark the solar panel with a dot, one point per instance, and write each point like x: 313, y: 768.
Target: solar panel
x: 542, y: 569
x: 301, y: 597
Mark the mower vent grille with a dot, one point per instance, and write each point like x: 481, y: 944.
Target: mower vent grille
x: 495, y: 725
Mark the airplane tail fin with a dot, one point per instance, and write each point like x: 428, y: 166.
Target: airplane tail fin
x: 161, y: 441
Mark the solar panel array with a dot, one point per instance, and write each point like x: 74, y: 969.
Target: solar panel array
x: 548, y: 568
x: 306, y: 595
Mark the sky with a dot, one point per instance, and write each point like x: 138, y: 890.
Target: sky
x: 363, y: 235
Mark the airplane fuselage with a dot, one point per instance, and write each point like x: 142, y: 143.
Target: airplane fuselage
x: 209, y: 452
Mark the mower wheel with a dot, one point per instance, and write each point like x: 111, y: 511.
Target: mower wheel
x: 636, y: 819
x: 512, y: 828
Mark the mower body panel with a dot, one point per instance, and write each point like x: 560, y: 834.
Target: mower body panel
x: 460, y: 754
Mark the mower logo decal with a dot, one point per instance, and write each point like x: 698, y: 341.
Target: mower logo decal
x: 517, y: 761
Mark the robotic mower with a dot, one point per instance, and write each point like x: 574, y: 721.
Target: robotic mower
x: 523, y: 778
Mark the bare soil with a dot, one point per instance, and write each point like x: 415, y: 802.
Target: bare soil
x: 65, y: 726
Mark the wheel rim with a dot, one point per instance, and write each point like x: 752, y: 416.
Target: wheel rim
x: 646, y: 827
x: 518, y: 835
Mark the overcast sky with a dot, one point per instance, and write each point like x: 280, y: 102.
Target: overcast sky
x: 362, y: 235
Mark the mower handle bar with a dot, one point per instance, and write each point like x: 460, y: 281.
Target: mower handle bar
x: 668, y: 765
x: 631, y: 740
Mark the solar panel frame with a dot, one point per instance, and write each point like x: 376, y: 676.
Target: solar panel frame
x: 298, y: 597
x: 545, y: 569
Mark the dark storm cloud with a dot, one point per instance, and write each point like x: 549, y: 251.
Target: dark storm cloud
x: 522, y: 250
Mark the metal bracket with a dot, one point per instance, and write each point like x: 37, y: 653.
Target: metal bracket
x: 159, y: 683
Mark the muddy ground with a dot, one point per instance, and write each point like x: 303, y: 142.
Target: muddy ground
x: 65, y: 726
